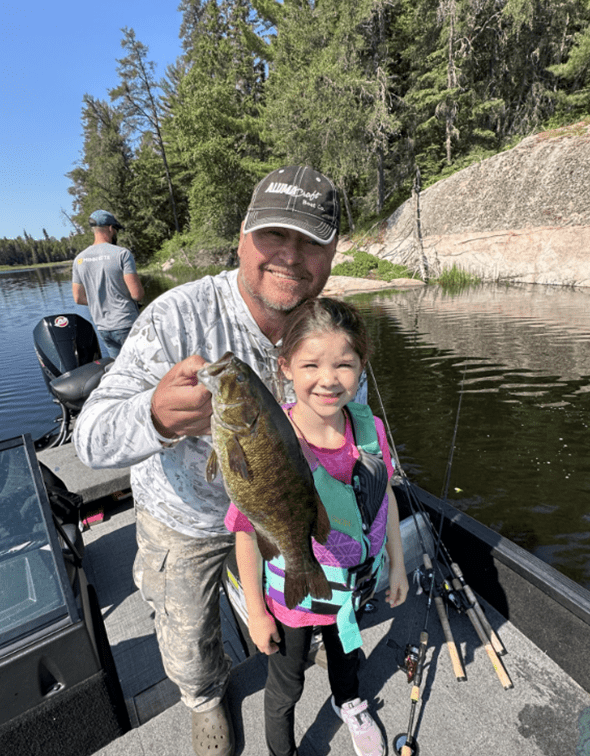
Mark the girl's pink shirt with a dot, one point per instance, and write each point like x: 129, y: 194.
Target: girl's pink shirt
x: 339, y: 464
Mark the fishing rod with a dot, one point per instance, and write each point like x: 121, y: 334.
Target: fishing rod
x: 445, y: 625
x: 405, y: 743
x: 471, y: 606
x: 492, y: 644
x: 477, y: 616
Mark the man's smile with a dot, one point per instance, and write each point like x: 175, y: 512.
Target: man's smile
x: 286, y: 274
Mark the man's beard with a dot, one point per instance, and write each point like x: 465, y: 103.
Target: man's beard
x: 283, y: 307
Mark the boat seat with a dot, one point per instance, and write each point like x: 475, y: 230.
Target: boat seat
x: 74, y: 387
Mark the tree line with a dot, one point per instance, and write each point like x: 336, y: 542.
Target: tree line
x: 25, y: 250
x: 367, y: 91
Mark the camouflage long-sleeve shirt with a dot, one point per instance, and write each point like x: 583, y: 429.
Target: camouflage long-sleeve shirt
x: 206, y: 317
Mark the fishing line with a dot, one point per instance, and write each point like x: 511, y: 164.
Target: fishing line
x: 452, y: 451
x: 415, y: 504
x: 433, y: 566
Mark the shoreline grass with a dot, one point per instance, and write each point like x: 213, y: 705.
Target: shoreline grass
x: 455, y: 278
x: 35, y: 266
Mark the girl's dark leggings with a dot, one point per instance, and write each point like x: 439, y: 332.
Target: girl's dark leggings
x: 284, y: 684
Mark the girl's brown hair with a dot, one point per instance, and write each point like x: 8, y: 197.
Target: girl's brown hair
x: 324, y: 315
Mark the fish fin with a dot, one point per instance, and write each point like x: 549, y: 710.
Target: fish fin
x: 322, y: 525
x: 237, y: 459
x: 267, y: 549
x: 211, y: 469
x: 313, y: 582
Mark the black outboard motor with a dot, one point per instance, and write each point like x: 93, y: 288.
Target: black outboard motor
x: 69, y: 354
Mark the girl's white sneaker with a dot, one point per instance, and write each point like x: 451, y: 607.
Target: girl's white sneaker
x: 367, y: 738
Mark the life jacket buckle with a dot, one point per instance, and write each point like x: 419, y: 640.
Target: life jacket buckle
x: 360, y: 574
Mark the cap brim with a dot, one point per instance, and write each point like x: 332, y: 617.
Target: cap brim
x: 319, y: 232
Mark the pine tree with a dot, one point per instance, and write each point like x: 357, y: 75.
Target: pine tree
x: 328, y: 101
x: 138, y: 95
x: 215, y: 116
x: 101, y: 178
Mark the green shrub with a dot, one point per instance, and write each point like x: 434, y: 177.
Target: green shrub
x: 387, y: 271
x: 365, y: 264
x: 189, y: 244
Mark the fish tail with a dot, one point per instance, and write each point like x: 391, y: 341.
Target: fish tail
x: 299, y: 585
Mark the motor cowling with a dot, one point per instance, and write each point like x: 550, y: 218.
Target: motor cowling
x: 64, y: 343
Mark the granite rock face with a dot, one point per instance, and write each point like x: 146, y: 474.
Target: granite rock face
x: 522, y: 215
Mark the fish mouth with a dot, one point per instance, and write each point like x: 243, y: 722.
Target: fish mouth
x: 216, y: 368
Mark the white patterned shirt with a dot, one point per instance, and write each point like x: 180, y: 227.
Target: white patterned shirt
x: 207, y: 317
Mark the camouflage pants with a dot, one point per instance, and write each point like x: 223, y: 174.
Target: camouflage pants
x: 180, y: 577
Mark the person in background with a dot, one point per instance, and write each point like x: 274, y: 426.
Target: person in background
x: 324, y: 352
x: 150, y: 412
x: 104, y: 277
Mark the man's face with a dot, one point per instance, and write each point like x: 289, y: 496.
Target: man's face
x: 280, y: 268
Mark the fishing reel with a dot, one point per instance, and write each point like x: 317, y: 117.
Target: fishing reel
x: 453, y: 598
x: 450, y: 596
x: 411, y: 661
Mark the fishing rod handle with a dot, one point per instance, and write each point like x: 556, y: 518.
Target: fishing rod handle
x: 472, y: 598
x: 497, y: 644
x: 446, y: 627
x: 450, y: 641
x: 499, y: 667
x: 493, y: 656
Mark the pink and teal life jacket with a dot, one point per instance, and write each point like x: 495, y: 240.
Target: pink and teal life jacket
x: 356, y: 511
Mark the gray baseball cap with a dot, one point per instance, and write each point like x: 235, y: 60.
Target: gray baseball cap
x: 296, y: 197
x: 104, y: 218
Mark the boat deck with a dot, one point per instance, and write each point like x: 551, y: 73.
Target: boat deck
x: 546, y: 713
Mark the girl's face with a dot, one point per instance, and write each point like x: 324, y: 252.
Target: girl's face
x: 325, y: 371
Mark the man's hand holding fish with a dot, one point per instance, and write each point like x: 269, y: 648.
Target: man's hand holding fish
x: 181, y: 406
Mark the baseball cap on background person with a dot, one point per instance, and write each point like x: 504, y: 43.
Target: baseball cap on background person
x: 104, y: 218
x: 296, y: 197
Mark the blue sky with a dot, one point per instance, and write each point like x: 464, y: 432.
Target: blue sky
x: 51, y: 55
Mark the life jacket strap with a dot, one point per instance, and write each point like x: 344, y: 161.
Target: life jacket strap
x: 351, y: 588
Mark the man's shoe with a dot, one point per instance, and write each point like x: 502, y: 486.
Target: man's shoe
x: 366, y: 736
x: 213, y: 732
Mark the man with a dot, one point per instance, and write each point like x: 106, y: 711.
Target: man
x: 150, y: 412
x: 104, y: 278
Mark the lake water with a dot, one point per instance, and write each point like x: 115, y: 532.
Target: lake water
x: 518, y: 355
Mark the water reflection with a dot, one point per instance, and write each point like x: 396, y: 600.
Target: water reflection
x: 520, y: 356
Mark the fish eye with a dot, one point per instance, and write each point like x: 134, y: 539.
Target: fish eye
x: 240, y: 377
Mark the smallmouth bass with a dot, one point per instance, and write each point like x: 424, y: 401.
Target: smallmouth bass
x: 266, y: 475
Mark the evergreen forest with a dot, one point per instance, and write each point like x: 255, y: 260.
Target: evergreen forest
x: 366, y: 91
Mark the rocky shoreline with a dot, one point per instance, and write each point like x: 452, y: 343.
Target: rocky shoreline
x: 522, y: 215
x: 339, y: 286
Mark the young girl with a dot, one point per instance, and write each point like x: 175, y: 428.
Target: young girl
x: 324, y: 351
